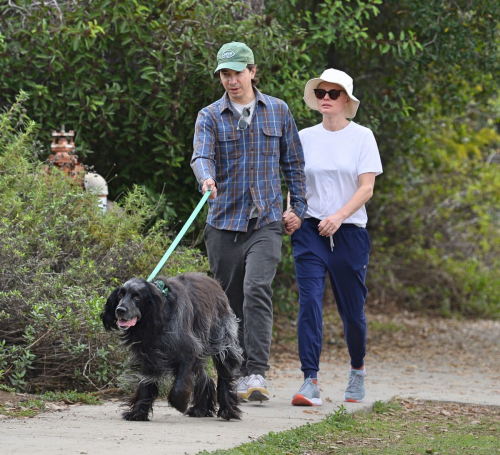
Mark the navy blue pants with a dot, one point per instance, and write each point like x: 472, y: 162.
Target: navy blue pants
x: 346, y: 265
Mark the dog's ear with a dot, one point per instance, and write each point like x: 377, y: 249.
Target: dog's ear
x: 153, y: 311
x: 108, y: 315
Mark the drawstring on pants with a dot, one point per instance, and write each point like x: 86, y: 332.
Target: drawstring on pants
x: 236, y: 237
x: 331, y: 242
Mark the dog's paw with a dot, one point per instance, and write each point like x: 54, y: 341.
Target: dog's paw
x: 229, y: 413
x: 197, y: 412
x: 135, y: 416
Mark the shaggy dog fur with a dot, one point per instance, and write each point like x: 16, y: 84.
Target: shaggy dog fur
x: 173, y: 335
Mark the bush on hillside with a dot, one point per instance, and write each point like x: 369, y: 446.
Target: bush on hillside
x: 60, y: 257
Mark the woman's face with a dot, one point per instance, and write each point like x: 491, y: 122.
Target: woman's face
x: 330, y: 107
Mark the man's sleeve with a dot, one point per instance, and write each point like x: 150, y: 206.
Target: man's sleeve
x: 203, y: 159
x: 292, y: 165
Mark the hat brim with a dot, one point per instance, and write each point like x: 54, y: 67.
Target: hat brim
x: 311, y: 100
x: 235, y: 66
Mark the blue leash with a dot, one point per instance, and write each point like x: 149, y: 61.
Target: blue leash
x: 180, y: 234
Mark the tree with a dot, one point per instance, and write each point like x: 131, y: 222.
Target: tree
x: 130, y: 78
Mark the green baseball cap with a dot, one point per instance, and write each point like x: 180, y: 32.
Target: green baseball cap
x: 234, y: 56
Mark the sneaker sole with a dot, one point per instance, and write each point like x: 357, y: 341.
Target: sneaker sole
x: 258, y: 395
x: 352, y: 400
x: 300, y: 400
x: 242, y: 399
x: 242, y: 396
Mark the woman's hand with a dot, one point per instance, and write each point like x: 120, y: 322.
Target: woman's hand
x: 292, y: 222
x: 329, y: 225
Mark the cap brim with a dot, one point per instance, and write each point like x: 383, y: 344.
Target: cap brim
x: 311, y: 100
x: 235, y: 66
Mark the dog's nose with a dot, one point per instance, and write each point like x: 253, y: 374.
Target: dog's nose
x: 120, y: 311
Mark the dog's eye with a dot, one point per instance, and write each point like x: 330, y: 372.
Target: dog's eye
x: 137, y: 298
x: 120, y: 295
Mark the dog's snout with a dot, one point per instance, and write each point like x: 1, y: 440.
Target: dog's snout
x: 120, y: 311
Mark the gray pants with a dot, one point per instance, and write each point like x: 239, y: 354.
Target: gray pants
x: 245, y: 264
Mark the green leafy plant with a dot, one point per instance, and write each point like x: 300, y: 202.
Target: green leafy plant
x: 60, y: 257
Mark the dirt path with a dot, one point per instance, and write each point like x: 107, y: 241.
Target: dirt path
x: 407, y: 356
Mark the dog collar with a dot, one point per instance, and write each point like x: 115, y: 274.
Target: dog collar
x: 161, y: 286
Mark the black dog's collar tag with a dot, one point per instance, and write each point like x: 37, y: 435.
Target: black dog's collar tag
x: 161, y: 286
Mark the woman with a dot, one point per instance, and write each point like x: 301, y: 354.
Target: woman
x: 341, y: 163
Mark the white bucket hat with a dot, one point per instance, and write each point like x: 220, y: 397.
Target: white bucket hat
x: 335, y: 77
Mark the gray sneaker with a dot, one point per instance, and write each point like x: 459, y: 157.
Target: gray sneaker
x: 308, y: 394
x: 355, y: 392
x: 242, y: 389
x: 257, y: 388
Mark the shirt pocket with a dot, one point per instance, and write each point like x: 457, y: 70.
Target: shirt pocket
x: 272, y: 138
x: 228, y: 142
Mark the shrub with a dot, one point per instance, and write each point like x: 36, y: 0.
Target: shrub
x: 60, y: 256
x: 436, y: 228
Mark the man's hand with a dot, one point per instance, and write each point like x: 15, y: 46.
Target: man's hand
x: 209, y: 184
x: 292, y: 222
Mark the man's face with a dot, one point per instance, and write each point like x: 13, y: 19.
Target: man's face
x: 238, y: 84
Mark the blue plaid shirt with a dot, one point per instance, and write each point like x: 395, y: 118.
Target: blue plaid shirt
x: 246, y: 164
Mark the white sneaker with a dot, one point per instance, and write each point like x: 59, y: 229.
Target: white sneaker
x: 257, y: 388
x: 242, y: 389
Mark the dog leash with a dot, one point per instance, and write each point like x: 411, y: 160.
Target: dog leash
x: 180, y: 235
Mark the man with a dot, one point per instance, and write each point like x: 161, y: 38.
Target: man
x: 241, y: 141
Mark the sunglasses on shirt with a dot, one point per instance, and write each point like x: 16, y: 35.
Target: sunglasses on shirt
x: 242, y: 123
x: 333, y: 93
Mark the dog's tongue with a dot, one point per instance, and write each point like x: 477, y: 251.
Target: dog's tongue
x: 123, y: 323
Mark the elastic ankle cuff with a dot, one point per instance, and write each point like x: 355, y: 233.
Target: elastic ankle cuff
x: 313, y: 374
x: 262, y: 373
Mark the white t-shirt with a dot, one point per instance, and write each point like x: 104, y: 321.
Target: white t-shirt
x: 240, y: 107
x: 254, y: 212
x: 333, y: 162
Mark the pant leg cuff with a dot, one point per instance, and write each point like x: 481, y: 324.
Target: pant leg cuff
x: 262, y: 373
x: 309, y: 373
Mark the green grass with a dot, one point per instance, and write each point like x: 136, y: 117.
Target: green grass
x: 6, y: 388
x: 71, y: 396
x: 31, y: 405
x: 385, y: 327
x: 398, y: 427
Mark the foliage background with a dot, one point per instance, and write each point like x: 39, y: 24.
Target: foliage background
x: 59, y: 260
x: 131, y: 76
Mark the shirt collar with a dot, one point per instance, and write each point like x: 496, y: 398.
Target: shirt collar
x: 226, y: 102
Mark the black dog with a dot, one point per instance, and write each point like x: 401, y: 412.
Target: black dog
x: 172, y: 327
